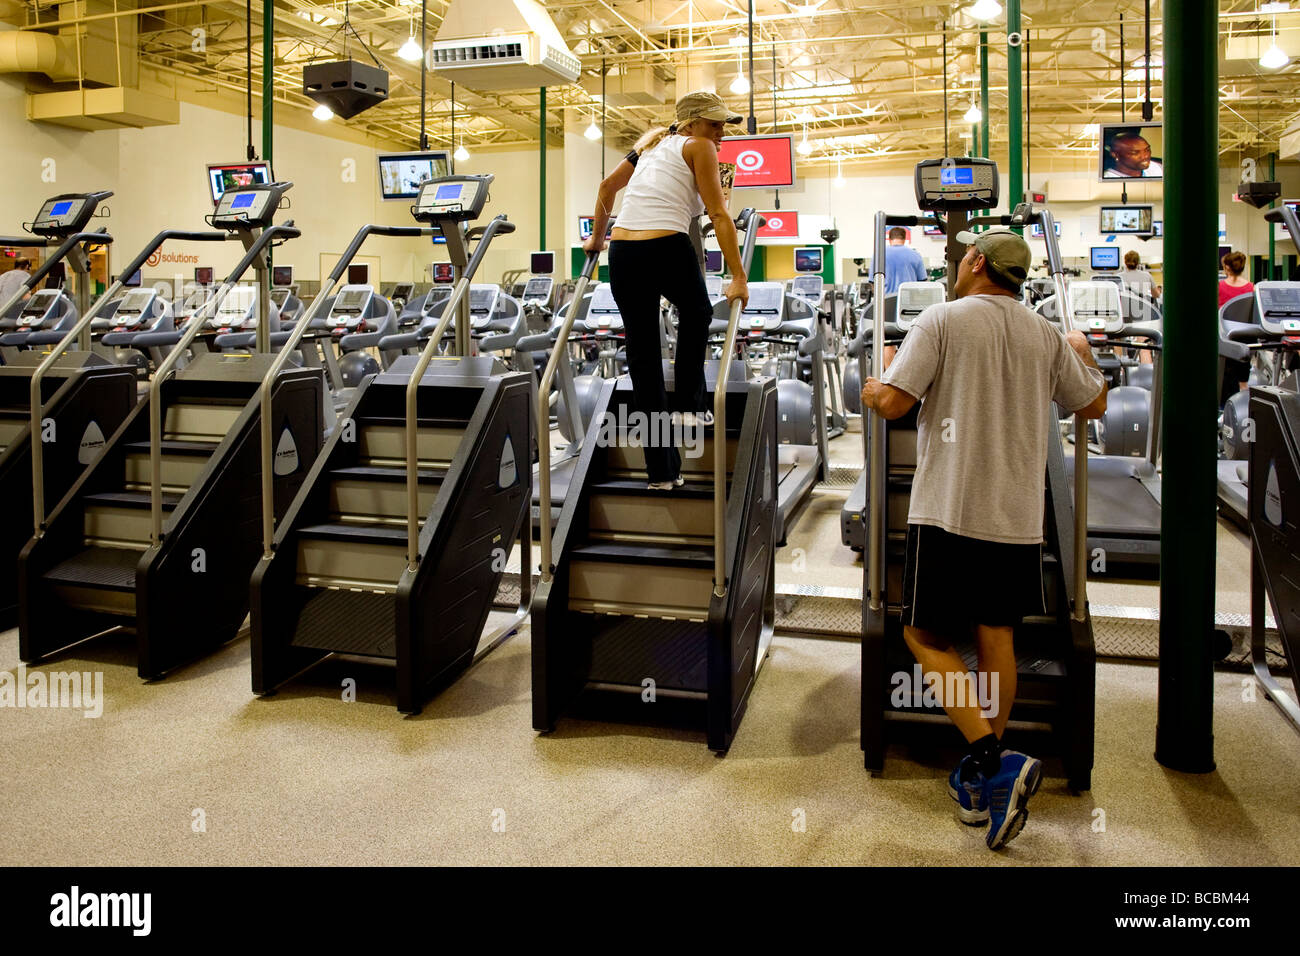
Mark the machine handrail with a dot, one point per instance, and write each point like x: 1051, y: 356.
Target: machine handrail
x: 37, y: 406
x: 746, y: 220
x: 1065, y: 313
x: 196, y: 322
x: 300, y: 329
x: 412, y: 390
x: 873, y: 438
x: 559, y: 348
x: 99, y: 237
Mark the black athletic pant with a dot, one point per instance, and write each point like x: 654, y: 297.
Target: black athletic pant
x: 640, y: 271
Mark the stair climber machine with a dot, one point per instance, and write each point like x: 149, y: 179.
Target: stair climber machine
x: 117, y: 323
x: 660, y: 596
x: 72, y: 400
x: 167, y: 514
x: 395, y: 546
x: 1054, y: 652
x: 901, y: 310
x: 1124, y: 480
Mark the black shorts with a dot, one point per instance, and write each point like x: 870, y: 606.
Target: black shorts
x: 951, y: 582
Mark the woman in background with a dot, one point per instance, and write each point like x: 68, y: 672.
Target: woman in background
x: 1234, y: 264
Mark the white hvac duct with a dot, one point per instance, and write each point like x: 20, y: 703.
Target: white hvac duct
x: 23, y: 51
x: 501, y: 45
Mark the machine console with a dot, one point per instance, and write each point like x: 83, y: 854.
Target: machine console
x: 451, y: 199
x: 956, y: 183
x: 914, y: 298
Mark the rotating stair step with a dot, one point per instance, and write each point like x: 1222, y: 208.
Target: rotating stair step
x: 96, y: 579
x: 352, y: 556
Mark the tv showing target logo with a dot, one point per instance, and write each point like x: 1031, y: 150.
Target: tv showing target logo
x: 782, y: 224
x: 762, y: 162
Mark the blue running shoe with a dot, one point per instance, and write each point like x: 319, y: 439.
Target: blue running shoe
x: 972, y: 796
x: 1009, y: 791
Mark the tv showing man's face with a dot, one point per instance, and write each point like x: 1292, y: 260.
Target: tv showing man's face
x: 1129, y: 154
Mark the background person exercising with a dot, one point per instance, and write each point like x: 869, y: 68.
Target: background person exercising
x: 985, y: 369
x: 675, y: 179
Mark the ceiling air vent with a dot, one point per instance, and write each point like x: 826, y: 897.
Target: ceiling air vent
x: 501, y: 45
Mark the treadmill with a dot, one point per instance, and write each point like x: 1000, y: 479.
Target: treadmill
x: 1123, y: 490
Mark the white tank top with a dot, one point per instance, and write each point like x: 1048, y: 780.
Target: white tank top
x: 661, y: 193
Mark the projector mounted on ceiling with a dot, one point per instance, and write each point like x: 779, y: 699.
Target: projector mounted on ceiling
x: 501, y: 45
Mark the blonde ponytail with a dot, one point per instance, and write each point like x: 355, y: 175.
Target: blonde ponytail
x: 652, y: 138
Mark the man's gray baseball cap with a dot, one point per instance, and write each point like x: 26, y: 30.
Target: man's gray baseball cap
x: 1006, y: 252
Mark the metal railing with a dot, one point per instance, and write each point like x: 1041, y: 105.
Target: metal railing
x: 196, y: 323
x: 559, y: 352
x: 449, y: 310
x: 873, y: 438
x: 70, y: 339
x: 1066, y: 315
x: 752, y: 221
x: 98, y: 238
x: 295, y: 338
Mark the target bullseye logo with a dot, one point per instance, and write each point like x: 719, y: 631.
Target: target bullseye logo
x: 750, y: 161
x: 155, y: 257
x: 775, y: 223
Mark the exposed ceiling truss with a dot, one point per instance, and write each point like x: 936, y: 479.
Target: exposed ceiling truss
x: 863, y: 82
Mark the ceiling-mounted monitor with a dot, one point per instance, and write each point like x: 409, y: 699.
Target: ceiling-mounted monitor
x: 225, y: 176
x: 1129, y: 219
x: 587, y: 223
x: 1132, y: 151
x: 441, y: 272
x: 762, y: 162
x: 400, y: 174
x: 204, y: 275
x: 1036, y: 230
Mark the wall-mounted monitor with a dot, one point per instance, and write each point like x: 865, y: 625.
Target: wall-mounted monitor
x: 1036, y: 230
x: 542, y: 263
x: 133, y: 281
x: 225, y: 176
x: 400, y: 174
x: 1282, y: 231
x: 762, y: 162
x: 281, y: 276
x: 204, y: 275
x: 1103, y: 258
x: 442, y: 272
x: 713, y: 261
x: 933, y: 231
x: 808, y: 259
x: 1157, y: 227
x: 1129, y: 219
x: 359, y: 274
x: 586, y: 223
x: 1132, y: 151
x: 782, y: 224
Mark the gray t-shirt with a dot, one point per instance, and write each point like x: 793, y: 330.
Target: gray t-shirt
x: 986, y: 368
x: 10, y: 283
x: 1138, y: 280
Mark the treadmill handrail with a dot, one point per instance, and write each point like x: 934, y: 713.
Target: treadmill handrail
x: 747, y: 221
x: 559, y: 348
x: 99, y: 237
x: 295, y: 338
x: 37, y: 407
x: 196, y: 322
x: 413, y: 384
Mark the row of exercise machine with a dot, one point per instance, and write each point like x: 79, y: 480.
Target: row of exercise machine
x: 351, y: 474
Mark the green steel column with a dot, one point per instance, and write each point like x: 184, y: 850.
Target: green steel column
x: 1015, y: 126
x: 984, y: 94
x: 1185, y: 710
x: 541, y: 132
x: 268, y: 78
x: 1272, y: 250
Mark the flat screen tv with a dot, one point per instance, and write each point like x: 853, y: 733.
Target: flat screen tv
x: 359, y: 274
x: 400, y: 174
x: 204, y: 275
x: 281, y: 276
x: 808, y: 259
x: 1128, y: 219
x: 1104, y: 258
x: 762, y: 162
x: 1131, y: 151
x: 542, y: 263
x: 223, y: 176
